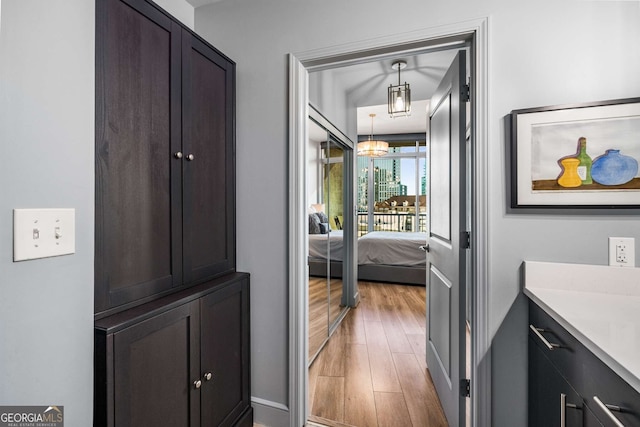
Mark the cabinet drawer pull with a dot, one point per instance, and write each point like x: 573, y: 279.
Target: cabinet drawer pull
x: 563, y: 409
x: 607, y: 410
x: 178, y: 155
x: 190, y: 157
x: 208, y: 376
x: 550, y: 345
x: 197, y: 383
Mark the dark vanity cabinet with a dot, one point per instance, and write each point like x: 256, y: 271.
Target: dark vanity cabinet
x: 568, y: 385
x: 171, y: 312
x: 164, y: 156
x: 182, y: 360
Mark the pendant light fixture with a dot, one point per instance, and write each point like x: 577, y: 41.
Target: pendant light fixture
x: 399, y: 96
x: 371, y: 148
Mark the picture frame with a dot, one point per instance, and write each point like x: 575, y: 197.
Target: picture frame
x: 582, y: 156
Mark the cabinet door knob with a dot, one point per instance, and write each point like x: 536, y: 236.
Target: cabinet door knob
x: 197, y: 383
x: 178, y: 155
x: 190, y: 157
x: 208, y: 376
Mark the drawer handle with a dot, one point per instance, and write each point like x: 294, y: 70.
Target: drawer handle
x: 197, y: 383
x: 607, y: 410
x: 563, y: 409
x: 550, y: 345
x: 207, y: 376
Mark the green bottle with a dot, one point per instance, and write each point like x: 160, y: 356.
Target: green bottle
x: 584, y: 168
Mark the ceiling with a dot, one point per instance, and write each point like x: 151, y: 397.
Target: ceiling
x: 365, y: 85
x: 198, y: 3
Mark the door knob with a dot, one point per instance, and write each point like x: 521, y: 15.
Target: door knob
x: 178, y: 155
x: 424, y: 248
x: 197, y: 383
x: 208, y: 376
x: 190, y: 157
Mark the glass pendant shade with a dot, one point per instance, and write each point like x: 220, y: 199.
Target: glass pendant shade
x: 399, y: 96
x: 372, y: 148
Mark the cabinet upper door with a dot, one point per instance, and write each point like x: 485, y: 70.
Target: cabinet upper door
x: 138, y: 191
x: 208, y: 142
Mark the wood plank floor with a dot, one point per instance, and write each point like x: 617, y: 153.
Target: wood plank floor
x: 373, y: 372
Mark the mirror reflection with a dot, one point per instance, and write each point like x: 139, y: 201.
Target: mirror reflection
x: 326, y: 192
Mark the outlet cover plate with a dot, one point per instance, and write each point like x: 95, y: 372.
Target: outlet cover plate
x: 622, y: 251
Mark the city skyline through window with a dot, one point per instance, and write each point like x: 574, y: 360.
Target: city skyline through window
x: 397, y: 182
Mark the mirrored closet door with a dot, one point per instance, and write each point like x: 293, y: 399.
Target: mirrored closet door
x: 329, y: 162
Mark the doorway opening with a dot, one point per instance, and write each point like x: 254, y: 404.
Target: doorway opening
x: 471, y: 33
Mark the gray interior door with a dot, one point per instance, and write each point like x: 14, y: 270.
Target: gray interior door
x: 446, y: 267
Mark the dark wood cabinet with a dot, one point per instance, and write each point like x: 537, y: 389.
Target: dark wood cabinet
x: 172, y: 315
x: 164, y: 156
x: 568, y: 367
x: 182, y: 360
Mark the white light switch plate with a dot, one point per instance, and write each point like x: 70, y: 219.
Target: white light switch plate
x: 42, y: 233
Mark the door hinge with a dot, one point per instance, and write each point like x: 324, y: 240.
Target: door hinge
x: 465, y: 93
x: 465, y: 387
x: 465, y: 240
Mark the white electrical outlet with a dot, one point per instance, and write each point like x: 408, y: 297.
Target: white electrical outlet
x: 41, y: 233
x: 622, y: 251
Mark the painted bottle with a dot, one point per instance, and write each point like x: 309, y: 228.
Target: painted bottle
x: 569, y: 177
x: 584, y: 167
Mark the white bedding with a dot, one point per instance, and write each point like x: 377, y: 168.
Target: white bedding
x: 318, y: 245
x: 392, y: 248
x: 377, y: 247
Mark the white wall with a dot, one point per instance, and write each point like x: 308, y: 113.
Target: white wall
x: 180, y: 9
x: 541, y: 53
x: 46, y: 137
x: 47, y: 56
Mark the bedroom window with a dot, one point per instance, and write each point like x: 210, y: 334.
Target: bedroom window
x: 392, y: 189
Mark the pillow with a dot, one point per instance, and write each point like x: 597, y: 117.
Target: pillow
x: 324, y: 228
x: 322, y: 217
x: 314, y: 224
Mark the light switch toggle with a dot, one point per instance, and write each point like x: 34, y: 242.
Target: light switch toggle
x: 38, y: 233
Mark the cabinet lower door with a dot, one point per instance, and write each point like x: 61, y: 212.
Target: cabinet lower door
x: 156, y: 365
x: 552, y: 401
x: 225, y: 354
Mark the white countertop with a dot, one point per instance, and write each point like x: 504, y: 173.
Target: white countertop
x: 599, y: 305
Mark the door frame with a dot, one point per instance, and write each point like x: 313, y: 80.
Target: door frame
x: 475, y: 31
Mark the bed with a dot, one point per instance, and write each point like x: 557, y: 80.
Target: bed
x: 383, y: 256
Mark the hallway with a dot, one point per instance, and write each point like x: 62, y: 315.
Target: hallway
x: 373, y: 371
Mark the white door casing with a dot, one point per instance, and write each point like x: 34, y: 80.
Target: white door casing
x: 476, y: 31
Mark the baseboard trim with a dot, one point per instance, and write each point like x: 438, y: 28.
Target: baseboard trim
x: 269, y: 413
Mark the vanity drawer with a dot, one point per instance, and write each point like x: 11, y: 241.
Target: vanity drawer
x: 600, y: 382
x: 585, y: 372
x: 566, y: 354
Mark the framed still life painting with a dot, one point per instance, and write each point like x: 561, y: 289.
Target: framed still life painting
x: 576, y: 156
